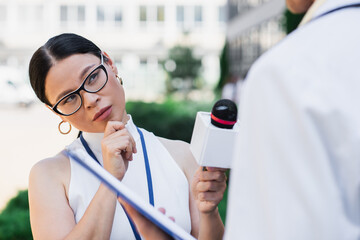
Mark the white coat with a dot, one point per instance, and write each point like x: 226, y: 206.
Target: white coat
x: 297, y: 170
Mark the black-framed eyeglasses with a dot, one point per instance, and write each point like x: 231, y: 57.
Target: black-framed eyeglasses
x: 94, y: 82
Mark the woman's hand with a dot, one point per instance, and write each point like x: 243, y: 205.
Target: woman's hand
x: 208, y: 188
x: 117, y: 147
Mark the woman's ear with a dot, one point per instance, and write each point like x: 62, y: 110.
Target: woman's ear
x: 110, y: 63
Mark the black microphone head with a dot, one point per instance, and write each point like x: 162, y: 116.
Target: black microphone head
x: 224, y: 114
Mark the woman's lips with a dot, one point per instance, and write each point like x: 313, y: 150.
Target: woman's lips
x: 102, y: 114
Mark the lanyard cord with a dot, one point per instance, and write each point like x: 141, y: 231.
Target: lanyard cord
x: 148, y: 176
x: 147, y: 168
x: 88, y: 149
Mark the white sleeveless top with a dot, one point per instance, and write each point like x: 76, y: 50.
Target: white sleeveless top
x: 170, y: 186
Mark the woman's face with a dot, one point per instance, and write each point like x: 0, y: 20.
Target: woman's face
x: 97, y: 108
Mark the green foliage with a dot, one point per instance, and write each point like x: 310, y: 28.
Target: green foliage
x: 224, y: 67
x: 222, y: 205
x: 171, y: 119
x: 15, y: 219
x: 182, y: 68
x: 186, y: 65
x: 291, y: 21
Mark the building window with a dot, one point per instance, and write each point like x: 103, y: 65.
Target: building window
x: 189, y: 17
x: 180, y: 14
x: 151, y: 14
x: 72, y: 13
x: 81, y: 13
x: 222, y: 14
x: 142, y: 14
x: 38, y: 13
x: 118, y: 15
x: 29, y: 14
x: 118, y: 62
x: 3, y: 13
x: 198, y: 14
x: 143, y: 61
x: 63, y: 13
x: 160, y: 14
x: 109, y: 15
x: 100, y: 14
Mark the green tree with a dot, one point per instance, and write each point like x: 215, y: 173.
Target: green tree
x: 182, y: 69
x: 224, y: 67
x: 15, y: 220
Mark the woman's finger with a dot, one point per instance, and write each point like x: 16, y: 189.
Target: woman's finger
x: 122, y: 144
x: 112, y: 127
x: 123, y: 133
x: 162, y: 210
x: 212, y: 186
x: 210, y: 196
x: 219, y: 176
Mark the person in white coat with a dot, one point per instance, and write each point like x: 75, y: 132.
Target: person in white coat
x: 297, y: 170
x: 297, y: 173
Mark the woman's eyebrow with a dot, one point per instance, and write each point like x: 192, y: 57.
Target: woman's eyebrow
x: 82, y: 77
x: 84, y: 71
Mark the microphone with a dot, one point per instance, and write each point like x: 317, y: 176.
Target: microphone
x: 224, y: 114
x: 213, y: 139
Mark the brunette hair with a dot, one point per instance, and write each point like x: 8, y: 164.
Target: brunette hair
x: 55, y: 49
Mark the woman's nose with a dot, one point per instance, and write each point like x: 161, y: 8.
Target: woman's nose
x: 90, y: 99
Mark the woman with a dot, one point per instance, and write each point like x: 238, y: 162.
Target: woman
x: 80, y: 83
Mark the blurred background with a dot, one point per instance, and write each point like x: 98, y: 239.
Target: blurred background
x: 176, y: 57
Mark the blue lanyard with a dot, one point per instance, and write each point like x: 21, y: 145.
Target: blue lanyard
x: 148, y: 176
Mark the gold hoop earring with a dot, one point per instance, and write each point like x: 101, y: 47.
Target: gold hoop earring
x: 59, y: 127
x: 120, y: 79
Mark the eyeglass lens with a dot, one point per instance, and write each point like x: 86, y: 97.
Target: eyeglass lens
x: 93, y: 83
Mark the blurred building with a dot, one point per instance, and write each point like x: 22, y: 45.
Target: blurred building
x: 136, y: 34
x: 253, y: 27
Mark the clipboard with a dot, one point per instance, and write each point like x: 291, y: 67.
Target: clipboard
x: 122, y: 191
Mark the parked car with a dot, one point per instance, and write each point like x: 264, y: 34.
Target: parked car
x: 13, y: 88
